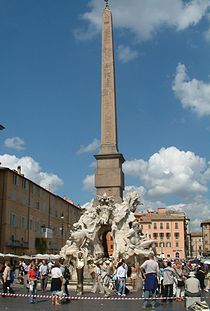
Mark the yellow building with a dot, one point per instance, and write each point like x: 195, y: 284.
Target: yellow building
x: 205, y: 225
x: 32, y: 219
x: 196, y: 241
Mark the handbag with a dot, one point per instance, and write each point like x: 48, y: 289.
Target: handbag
x: 180, y: 283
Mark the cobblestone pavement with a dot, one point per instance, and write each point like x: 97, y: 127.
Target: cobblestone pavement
x: 89, y: 304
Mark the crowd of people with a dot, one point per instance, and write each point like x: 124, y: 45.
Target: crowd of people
x: 173, y: 280
x: 57, y: 273
x: 166, y: 279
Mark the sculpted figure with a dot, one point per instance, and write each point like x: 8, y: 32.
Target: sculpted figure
x: 128, y: 240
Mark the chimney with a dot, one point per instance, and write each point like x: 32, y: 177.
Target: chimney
x: 19, y: 170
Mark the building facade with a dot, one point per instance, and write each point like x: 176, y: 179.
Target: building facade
x: 32, y: 219
x: 205, y: 225
x: 196, y: 243
x: 169, y: 230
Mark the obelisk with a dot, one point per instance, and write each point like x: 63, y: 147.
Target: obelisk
x: 109, y: 177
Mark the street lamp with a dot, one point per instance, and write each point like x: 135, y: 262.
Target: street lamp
x: 62, y: 227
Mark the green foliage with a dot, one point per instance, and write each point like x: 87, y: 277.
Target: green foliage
x: 41, y: 245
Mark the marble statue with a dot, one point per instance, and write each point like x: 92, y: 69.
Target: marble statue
x: 108, y: 216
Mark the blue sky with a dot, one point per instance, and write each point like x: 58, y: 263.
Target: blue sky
x: 50, y: 80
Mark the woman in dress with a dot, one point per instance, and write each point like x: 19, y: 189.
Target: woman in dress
x: 56, y: 283
x: 32, y: 281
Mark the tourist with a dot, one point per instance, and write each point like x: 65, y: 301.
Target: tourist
x: 133, y: 276
x: 180, y: 281
x: 25, y: 274
x: 80, y: 263
x: 168, y: 282
x: 98, y: 283
x: 66, y: 279
x: 121, y: 276
x: 56, y: 283
x: 161, y: 265
x: 151, y: 274
x: 2, y: 266
x: 200, y: 275
x: 43, y: 270
x: 6, y: 279
x: 192, y: 290
x: 106, y: 277
x: 32, y: 281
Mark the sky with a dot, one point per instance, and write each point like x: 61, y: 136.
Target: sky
x: 50, y: 88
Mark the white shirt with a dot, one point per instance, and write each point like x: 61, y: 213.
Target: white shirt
x: 121, y: 272
x: 150, y: 266
x: 43, y: 269
x: 56, y: 273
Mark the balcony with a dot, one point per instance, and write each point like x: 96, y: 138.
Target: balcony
x: 17, y: 243
x: 46, y: 233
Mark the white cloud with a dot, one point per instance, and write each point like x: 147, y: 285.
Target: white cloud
x: 171, y: 172
x: 193, y: 94
x: 125, y: 54
x: 88, y: 183
x: 207, y: 35
x: 144, y: 18
x: 92, y: 147
x: 15, y: 143
x: 32, y: 170
x: 197, y: 211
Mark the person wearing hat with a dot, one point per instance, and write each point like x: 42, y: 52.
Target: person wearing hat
x: 192, y: 290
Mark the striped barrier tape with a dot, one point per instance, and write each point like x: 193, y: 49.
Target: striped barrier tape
x: 84, y: 297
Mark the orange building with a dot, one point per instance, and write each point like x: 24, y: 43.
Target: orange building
x: 168, y: 228
x: 32, y: 219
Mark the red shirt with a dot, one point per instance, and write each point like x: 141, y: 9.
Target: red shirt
x: 32, y: 274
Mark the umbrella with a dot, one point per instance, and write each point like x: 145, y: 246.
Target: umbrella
x: 42, y: 256
x: 207, y: 262
x: 54, y: 257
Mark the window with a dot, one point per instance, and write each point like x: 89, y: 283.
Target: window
x: 30, y: 224
x: 12, y: 238
x: 176, y: 235
x: 155, y: 235
x: 161, y: 235
x: 161, y: 225
x: 168, y: 235
x: 176, y: 225
x: 22, y: 222
x: 24, y: 183
x: 24, y: 198
x: 177, y: 254
x: 177, y: 244
x: 162, y: 244
x: 168, y: 244
x: 15, y: 179
x: 155, y: 225
x: 149, y: 226
x: 13, y: 220
x: 167, y: 225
